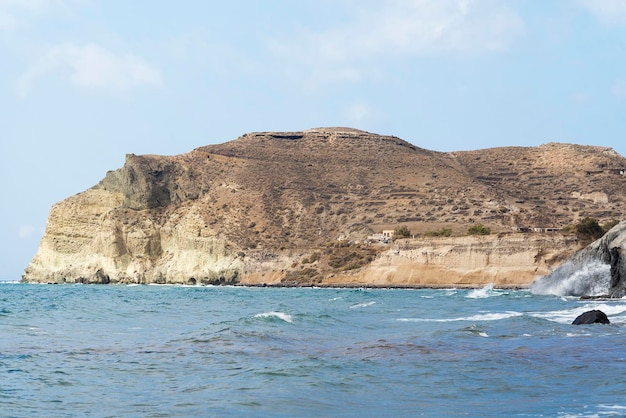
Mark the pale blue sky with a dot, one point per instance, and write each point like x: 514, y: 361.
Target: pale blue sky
x: 83, y: 82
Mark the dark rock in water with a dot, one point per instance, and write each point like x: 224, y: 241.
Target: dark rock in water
x: 591, y: 317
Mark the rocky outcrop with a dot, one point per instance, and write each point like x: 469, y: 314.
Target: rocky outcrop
x: 610, y: 250
x: 296, y: 208
x: 591, y: 317
x: 598, y: 269
x: 149, y: 182
x: 136, y: 226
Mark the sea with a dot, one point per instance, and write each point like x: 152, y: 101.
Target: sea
x: 203, y: 351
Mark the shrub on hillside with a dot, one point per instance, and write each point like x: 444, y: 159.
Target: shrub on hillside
x: 478, y: 229
x: 402, y: 232
x: 443, y: 232
x: 607, y: 226
x: 303, y: 276
x: 342, y: 256
x: 589, y: 229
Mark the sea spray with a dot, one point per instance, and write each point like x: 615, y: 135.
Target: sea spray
x: 571, y: 279
x: 484, y: 292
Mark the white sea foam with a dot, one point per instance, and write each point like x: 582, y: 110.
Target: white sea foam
x: 613, y: 409
x: 362, y: 305
x: 621, y: 319
x: 603, y: 411
x: 484, y: 292
x: 280, y: 315
x: 481, y: 317
x: 566, y: 316
x: 573, y: 334
x: 491, y: 316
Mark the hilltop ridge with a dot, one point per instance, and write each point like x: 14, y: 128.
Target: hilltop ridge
x: 280, y: 207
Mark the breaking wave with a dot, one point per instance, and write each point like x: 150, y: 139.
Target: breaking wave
x: 278, y: 315
x: 362, y: 305
x: 591, y: 279
x: 484, y: 292
x: 615, y: 312
x: 492, y: 316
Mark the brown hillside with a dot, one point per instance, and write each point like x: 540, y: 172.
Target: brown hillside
x: 552, y: 185
x: 284, y: 202
x: 297, y: 189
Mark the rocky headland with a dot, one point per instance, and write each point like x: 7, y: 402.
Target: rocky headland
x: 601, y: 267
x: 307, y: 208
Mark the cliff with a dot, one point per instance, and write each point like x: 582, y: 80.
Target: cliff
x: 297, y: 208
x: 512, y: 260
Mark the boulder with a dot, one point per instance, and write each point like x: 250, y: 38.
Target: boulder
x: 592, y: 317
x: 611, y: 249
x: 598, y: 269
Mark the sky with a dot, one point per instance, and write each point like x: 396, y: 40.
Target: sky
x: 84, y: 82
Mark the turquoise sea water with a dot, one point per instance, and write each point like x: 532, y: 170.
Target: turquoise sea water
x: 157, y: 351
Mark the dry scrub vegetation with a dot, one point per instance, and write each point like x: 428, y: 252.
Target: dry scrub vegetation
x: 299, y: 191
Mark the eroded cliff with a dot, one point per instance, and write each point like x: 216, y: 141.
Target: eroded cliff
x: 297, y: 208
x: 509, y: 260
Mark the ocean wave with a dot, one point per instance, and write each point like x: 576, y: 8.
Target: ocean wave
x: 484, y: 292
x: 612, y: 409
x: 362, y: 305
x: 566, y: 316
x: 278, y: 315
x: 496, y: 316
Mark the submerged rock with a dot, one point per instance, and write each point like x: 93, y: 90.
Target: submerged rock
x: 592, y: 317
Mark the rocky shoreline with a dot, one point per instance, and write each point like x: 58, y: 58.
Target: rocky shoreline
x: 374, y: 286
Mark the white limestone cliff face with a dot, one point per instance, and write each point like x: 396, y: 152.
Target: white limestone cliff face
x: 93, y: 238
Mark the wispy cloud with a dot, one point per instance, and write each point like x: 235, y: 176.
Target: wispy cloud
x: 611, y: 12
x: 17, y: 13
x: 91, y: 66
x: 7, y: 20
x: 400, y: 28
x: 618, y: 88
